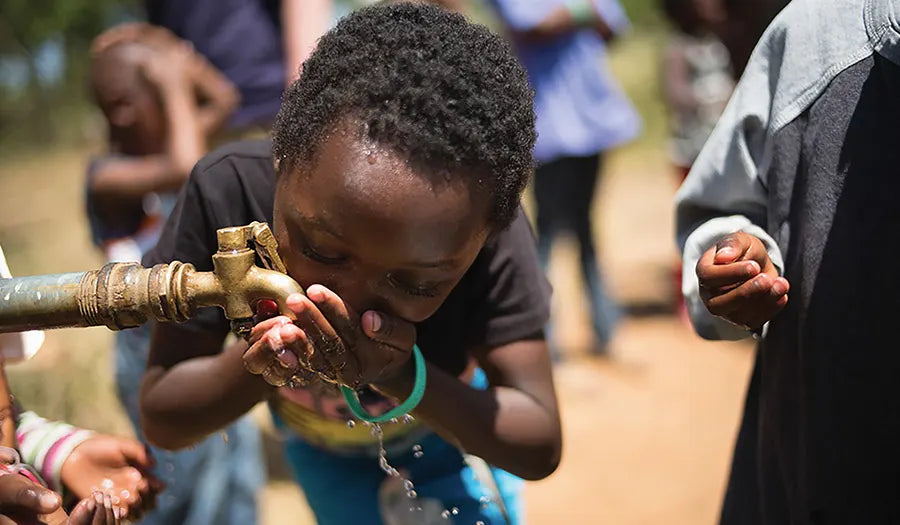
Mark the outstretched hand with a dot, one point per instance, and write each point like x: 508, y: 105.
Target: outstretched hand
x: 117, y: 467
x: 739, y: 282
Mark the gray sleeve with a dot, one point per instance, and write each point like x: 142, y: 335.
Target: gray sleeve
x: 808, y: 44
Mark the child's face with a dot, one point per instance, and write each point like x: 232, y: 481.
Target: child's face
x: 363, y: 223
x: 131, y: 104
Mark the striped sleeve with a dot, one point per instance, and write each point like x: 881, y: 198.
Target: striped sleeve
x: 45, y: 445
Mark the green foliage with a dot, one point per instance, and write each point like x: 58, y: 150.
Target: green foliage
x: 25, y: 25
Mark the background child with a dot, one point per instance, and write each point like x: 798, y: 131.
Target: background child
x: 697, y: 83
x: 795, y: 191
x: 162, y: 101
x: 401, y: 155
x: 581, y: 114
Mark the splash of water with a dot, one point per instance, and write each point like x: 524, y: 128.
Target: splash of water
x: 386, y: 467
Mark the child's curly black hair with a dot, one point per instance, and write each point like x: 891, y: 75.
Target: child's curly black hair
x: 446, y: 94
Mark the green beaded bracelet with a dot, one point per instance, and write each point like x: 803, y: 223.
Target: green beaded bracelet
x: 403, y: 408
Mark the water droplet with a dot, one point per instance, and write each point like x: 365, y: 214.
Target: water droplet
x: 418, y: 454
x: 106, y: 484
x: 479, y: 522
x: 485, y: 502
x: 371, y: 157
x: 225, y: 437
x: 395, y: 420
x: 445, y: 514
x: 411, y: 494
x: 351, y: 423
x: 454, y: 511
x: 407, y: 419
x: 417, y: 447
x: 408, y: 485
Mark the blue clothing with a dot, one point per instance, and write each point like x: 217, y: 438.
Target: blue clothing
x: 344, y: 489
x: 213, y: 483
x: 580, y: 109
x: 242, y: 38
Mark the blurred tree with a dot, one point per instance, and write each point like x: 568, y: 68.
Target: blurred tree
x: 54, y: 33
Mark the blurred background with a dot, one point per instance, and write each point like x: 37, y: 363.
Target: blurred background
x: 648, y: 427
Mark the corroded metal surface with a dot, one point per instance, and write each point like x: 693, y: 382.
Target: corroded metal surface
x: 124, y: 295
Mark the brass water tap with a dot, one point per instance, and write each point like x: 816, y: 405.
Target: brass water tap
x: 125, y: 295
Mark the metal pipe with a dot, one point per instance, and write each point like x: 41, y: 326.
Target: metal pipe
x: 41, y: 300
x: 125, y: 295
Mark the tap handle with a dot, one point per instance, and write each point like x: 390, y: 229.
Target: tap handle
x: 266, y: 246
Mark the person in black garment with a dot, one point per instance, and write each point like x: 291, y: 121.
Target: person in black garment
x: 393, y: 187
x: 787, y: 222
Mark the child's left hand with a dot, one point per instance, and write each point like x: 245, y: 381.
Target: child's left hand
x: 116, y: 466
x: 329, y: 338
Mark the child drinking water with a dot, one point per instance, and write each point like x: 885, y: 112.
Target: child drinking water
x: 162, y: 102
x: 392, y: 183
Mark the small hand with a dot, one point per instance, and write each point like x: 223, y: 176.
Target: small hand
x: 329, y: 340
x: 739, y: 282
x: 116, y: 466
x: 98, y: 509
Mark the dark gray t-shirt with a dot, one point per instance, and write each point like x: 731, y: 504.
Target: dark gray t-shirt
x: 502, y: 298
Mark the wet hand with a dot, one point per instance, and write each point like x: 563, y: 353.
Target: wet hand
x: 329, y: 340
x: 98, y: 509
x: 739, y: 283
x: 117, y: 467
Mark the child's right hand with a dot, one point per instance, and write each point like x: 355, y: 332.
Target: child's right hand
x: 169, y: 67
x: 739, y: 283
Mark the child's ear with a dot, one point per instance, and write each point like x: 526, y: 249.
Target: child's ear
x: 123, y: 115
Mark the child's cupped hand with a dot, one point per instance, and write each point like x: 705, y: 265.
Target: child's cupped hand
x: 119, y: 467
x: 329, y: 340
x: 24, y: 502
x: 739, y: 283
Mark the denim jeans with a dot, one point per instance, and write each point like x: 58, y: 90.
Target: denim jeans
x: 349, y: 488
